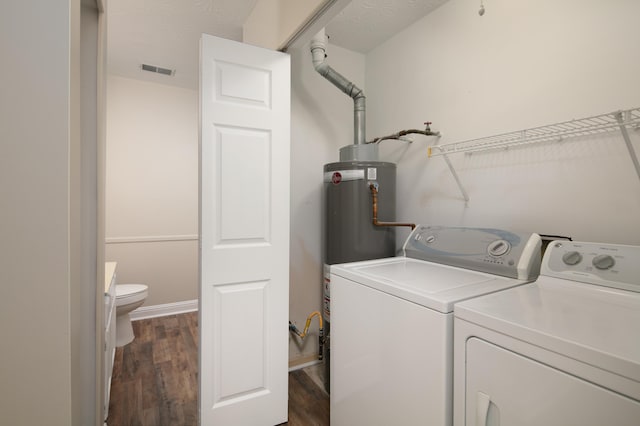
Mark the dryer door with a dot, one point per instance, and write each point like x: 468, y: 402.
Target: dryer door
x: 504, y: 388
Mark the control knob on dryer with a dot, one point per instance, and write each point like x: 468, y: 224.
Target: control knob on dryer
x: 572, y: 258
x: 603, y: 261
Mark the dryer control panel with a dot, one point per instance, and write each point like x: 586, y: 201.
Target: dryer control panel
x: 610, y: 265
x: 495, y: 251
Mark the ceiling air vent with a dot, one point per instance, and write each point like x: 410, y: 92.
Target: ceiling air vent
x: 158, y: 70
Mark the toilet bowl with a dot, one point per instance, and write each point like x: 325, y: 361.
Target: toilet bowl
x: 128, y: 298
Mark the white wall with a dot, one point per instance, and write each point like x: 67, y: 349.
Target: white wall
x: 321, y: 123
x: 152, y: 187
x: 523, y: 64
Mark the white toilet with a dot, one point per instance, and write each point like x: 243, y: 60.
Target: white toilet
x: 128, y: 298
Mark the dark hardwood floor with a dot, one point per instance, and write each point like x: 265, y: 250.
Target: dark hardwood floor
x: 155, y: 379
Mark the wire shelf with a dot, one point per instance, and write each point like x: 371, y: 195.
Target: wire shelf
x: 551, y: 133
x: 599, y: 124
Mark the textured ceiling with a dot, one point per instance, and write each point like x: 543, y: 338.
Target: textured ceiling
x: 166, y: 33
x: 365, y: 24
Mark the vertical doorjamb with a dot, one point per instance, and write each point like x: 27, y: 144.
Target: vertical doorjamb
x: 101, y: 98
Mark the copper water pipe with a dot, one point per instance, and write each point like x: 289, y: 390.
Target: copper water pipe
x: 374, y: 194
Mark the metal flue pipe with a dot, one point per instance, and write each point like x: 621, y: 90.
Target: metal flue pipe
x: 318, y: 54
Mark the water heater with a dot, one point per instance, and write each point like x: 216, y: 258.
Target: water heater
x: 349, y: 233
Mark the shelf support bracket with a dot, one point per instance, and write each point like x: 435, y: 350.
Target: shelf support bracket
x: 455, y: 176
x: 627, y: 141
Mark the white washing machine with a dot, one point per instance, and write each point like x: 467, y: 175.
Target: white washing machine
x: 392, y: 321
x: 562, y: 351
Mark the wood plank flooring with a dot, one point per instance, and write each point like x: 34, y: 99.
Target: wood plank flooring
x: 155, y: 379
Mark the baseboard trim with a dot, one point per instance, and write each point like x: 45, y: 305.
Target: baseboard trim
x: 303, y: 362
x: 151, y: 239
x: 305, y: 365
x: 154, y: 311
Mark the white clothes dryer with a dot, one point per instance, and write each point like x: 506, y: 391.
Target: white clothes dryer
x: 392, y: 321
x: 562, y: 351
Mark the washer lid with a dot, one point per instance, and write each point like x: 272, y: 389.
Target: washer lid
x: 433, y: 285
x: 599, y: 326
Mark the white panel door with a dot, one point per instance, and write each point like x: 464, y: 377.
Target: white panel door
x: 244, y: 233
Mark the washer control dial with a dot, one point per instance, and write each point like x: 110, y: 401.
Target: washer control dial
x: 499, y: 248
x: 572, y: 258
x: 603, y: 261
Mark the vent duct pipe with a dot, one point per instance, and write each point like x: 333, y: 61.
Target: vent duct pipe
x: 318, y: 54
